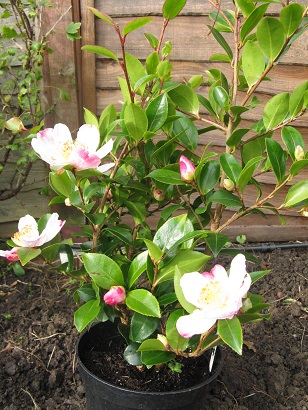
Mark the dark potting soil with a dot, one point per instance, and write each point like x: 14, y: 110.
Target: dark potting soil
x: 104, y: 358
x: 38, y: 368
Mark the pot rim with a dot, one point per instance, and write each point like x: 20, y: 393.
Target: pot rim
x: 213, y: 376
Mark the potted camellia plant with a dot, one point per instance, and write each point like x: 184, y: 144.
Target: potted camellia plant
x: 154, y: 302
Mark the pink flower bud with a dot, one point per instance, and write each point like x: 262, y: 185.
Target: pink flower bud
x: 187, y: 169
x: 299, y: 153
x: 158, y: 195
x: 115, y: 295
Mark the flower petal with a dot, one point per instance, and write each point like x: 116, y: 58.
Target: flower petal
x: 52, y: 228
x: 10, y: 255
x: 105, y: 149
x: 192, y: 284
x: 194, y: 324
x: 88, y: 137
x: 105, y: 167
x: 82, y: 159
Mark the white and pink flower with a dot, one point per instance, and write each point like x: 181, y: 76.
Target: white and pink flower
x: 57, y: 147
x: 28, y: 235
x: 215, y: 294
x: 115, y: 295
x: 187, y: 169
x: 10, y: 255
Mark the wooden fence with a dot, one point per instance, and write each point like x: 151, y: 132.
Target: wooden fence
x: 92, y: 79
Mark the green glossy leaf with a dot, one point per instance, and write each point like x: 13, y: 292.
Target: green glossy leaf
x: 135, y: 71
x: 121, y: 233
x: 167, y: 176
x: 137, y: 267
x: 297, y: 193
x: 292, y: 138
x: 186, y: 261
x: 225, y: 198
x: 25, y: 255
x: 86, y: 314
x: 152, y: 40
x: 236, y: 137
x: 151, y: 345
x: 230, y: 330
x: 245, y: 6
x: 230, y: 166
x: 90, y: 117
x: 297, y: 99
x: 131, y: 354
x: 185, y: 98
x: 220, y: 57
x: 143, y: 302
x: 172, y: 231
x: 208, y: 176
x: 297, y: 166
x: 252, y: 149
x: 86, y: 292
x: 258, y: 275
x: 179, y: 292
x: 157, y: 112
x: 135, y: 24
x: 101, y: 15
x: 221, y: 97
x: 107, y: 117
x: 102, y: 51
x: 136, y: 121
x: 277, y: 157
x: 142, y: 327
x: 216, y: 242
x: 186, y: 132
x: 221, y: 41
x: 251, y: 22
x: 154, y: 251
x: 137, y: 210
x: 104, y: 271
x: 291, y: 17
x: 247, y: 172
x: 152, y: 62
x: 271, y: 37
x: 253, y: 63
x: 276, y: 110
x: 156, y: 357
x: 171, y: 8
x: 61, y: 184
x: 175, y: 340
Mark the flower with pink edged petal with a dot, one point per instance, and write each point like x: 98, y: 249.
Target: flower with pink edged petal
x: 215, y: 295
x: 28, y: 235
x: 56, y: 147
x: 115, y: 295
x: 10, y: 255
x: 187, y: 169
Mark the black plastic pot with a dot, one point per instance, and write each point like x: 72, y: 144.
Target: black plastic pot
x: 102, y: 395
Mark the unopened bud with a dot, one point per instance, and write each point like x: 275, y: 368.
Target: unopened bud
x: 187, y: 169
x: 158, y: 195
x: 67, y: 202
x: 15, y: 125
x: 163, y: 340
x: 228, y: 184
x: 299, y: 153
x: 115, y: 295
x: 304, y: 211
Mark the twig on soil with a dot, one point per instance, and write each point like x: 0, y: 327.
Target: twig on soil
x: 36, y: 406
x: 302, y: 339
x: 225, y: 387
x: 51, y: 356
x: 263, y: 392
x: 46, y: 337
x: 19, y: 348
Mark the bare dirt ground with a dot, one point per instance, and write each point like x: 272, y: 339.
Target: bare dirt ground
x: 38, y: 368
